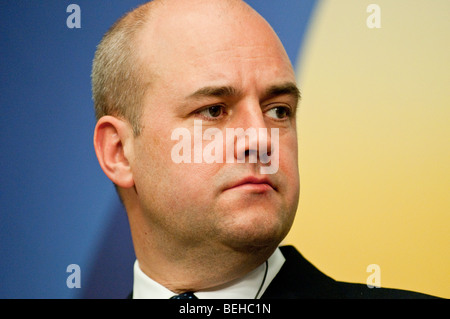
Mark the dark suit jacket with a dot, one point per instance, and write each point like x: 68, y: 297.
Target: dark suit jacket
x: 298, y: 278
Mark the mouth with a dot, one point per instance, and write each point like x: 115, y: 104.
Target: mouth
x: 252, y: 184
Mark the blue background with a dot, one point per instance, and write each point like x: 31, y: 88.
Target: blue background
x: 56, y: 206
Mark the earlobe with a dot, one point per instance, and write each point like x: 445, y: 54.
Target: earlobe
x: 110, y: 138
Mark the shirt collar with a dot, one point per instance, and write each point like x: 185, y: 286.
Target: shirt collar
x: 243, y: 288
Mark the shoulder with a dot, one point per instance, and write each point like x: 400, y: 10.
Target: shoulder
x: 298, y: 278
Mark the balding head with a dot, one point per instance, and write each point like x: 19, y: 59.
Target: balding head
x: 130, y: 56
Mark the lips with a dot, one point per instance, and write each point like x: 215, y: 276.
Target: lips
x: 252, y: 183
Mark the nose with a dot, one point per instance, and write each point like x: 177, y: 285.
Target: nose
x: 249, y: 134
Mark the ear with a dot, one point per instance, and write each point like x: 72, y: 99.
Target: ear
x: 111, y: 138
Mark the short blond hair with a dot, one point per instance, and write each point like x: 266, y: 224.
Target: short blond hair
x: 118, y: 85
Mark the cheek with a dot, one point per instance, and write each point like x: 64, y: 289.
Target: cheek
x: 151, y: 165
x: 288, y: 155
x: 163, y: 183
x: 289, y: 164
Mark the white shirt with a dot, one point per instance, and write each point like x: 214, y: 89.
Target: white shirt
x: 243, y: 288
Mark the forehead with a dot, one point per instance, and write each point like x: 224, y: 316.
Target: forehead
x: 210, y: 46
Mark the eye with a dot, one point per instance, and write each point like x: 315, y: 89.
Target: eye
x: 279, y: 112
x: 213, y: 111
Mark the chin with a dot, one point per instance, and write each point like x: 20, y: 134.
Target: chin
x: 257, y: 229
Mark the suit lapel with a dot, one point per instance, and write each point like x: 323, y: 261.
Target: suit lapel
x: 298, y: 278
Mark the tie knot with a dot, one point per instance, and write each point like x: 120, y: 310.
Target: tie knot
x: 186, y: 295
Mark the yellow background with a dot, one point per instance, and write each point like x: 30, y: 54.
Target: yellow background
x: 374, y: 136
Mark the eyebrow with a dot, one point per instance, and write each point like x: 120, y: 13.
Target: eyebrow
x: 215, y: 91
x: 287, y: 88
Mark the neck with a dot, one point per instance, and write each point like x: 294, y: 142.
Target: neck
x: 199, y: 268
x: 182, y: 267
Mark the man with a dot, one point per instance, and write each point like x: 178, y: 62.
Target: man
x: 206, y: 218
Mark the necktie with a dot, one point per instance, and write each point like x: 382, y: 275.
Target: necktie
x: 186, y: 295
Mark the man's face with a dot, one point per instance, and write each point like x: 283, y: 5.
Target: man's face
x: 214, y: 72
